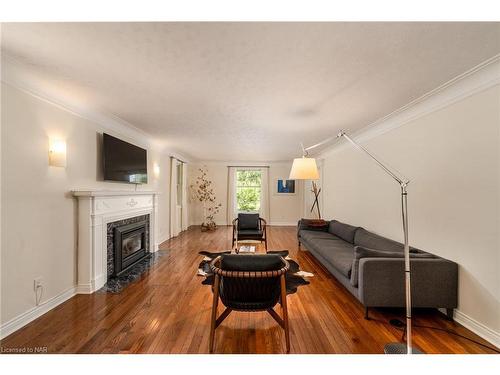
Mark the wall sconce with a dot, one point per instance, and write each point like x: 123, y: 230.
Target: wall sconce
x: 57, y: 153
x: 156, y: 170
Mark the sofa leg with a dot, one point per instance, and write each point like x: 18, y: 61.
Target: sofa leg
x: 367, y: 317
x: 449, y: 314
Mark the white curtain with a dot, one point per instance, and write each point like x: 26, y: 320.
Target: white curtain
x: 264, y: 194
x: 231, y: 195
x: 174, y: 228
x: 184, y: 224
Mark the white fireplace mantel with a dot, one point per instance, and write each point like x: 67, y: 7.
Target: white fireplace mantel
x: 97, y: 208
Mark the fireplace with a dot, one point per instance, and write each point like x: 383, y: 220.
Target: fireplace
x: 128, y: 243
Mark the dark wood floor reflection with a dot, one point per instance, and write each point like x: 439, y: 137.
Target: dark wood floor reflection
x: 168, y: 311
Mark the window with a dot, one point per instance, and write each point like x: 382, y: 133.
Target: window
x: 248, y: 190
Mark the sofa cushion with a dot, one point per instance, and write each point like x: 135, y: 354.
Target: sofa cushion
x: 336, y: 251
x: 374, y: 241
x: 248, y: 221
x: 250, y: 234
x: 344, y: 231
x: 363, y: 252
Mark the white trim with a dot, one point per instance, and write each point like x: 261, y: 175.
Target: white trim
x: 111, y: 193
x: 283, y: 223
x: 277, y: 223
x: 478, y: 328
x: 16, y: 74
x: 161, y: 240
x: 475, y: 80
x: 85, y: 288
x: 22, y: 319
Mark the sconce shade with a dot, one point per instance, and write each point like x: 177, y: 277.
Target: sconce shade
x: 57, y: 153
x: 304, y: 169
x: 156, y: 170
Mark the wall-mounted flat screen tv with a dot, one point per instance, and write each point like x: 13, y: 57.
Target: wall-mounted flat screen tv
x: 124, y: 161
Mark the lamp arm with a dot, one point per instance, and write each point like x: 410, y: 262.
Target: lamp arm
x: 401, y: 180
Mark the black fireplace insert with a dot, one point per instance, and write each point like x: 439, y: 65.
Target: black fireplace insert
x: 130, y: 246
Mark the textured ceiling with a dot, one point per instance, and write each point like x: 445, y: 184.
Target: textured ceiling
x: 246, y: 91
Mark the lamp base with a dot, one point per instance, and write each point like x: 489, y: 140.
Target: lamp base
x: 398, y: 348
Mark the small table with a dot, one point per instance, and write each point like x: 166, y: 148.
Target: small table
x: 252, y: 243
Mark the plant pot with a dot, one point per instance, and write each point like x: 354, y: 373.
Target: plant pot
x: 210, y: 227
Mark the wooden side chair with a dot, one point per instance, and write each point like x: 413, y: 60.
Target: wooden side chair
x: 249, y: 283
x: 249, y: 227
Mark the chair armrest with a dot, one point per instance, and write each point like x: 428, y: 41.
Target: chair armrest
x: 434, y: 282
x: 263, y: 224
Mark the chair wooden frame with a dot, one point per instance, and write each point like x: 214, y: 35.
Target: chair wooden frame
x: 263, y: 226
x: 218, y: 273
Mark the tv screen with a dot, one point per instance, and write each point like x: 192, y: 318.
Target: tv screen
x: 124, y: 161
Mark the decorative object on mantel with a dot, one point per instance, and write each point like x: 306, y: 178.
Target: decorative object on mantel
x: 203, y: 192
x: 294, y: 277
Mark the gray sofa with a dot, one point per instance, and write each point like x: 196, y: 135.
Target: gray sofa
x: 371, y: 267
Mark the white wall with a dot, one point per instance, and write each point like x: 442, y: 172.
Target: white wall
x: 38, y: 211
x: 284, y: 210
x: 452, y: 158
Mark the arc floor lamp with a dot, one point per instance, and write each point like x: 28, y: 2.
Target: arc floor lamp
x: 305, y: 167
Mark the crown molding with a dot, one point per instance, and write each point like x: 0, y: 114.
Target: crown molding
x: 19, y: 76
x: 473, y: 81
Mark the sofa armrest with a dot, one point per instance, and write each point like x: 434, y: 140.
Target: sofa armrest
x: 434, y: 282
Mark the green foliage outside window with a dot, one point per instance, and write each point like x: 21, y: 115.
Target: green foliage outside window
x: 248, y: 189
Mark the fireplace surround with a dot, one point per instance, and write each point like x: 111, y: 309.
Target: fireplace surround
x: 97, y: 209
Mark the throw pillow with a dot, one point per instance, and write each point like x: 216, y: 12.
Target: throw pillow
x: 306, y: 224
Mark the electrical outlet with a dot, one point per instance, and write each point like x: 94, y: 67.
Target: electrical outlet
x: 37, y: 283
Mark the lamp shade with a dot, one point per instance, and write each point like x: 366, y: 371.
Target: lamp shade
x: 304, y: 169
x: 57, y: 153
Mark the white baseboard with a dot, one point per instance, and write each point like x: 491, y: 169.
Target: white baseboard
x: 275, y: 223
x: 478, y: 328
x: 161, y: 240
x: 284, y: 223
x: 219, y: 224
x: 84, y: 289
x: 21, y: 320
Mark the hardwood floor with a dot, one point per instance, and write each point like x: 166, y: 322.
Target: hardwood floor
x: 168, y: 311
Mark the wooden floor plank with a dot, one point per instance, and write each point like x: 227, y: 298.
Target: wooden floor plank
x: 167, y: 310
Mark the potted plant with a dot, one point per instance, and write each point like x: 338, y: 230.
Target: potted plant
x: 204, y: 193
